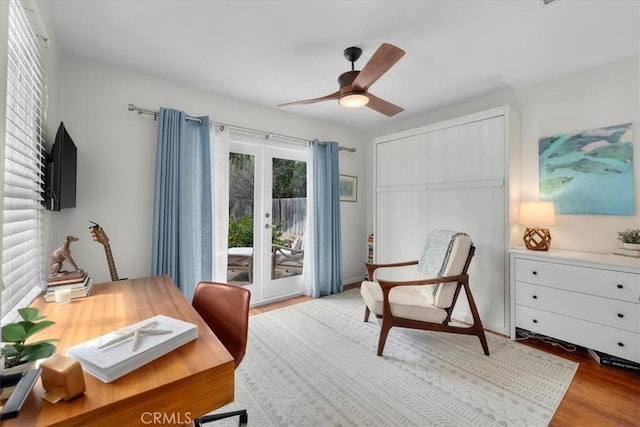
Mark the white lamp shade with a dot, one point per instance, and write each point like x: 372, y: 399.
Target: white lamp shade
x: 537, y: 213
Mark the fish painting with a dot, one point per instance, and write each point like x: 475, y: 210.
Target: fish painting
x: 618, y: 151
x: 545, y: 143
x: 585, y: 166
x: 554, y: 184
x: 589, y: 172
x: 576, y: 142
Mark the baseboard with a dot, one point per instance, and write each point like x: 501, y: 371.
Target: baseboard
x: 351, y: 286
x: 353, y: 283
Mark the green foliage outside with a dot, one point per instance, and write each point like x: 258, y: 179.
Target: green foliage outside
x: 289, y: 179
x: 241, y: 232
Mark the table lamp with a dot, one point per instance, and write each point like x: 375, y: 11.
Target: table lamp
x: 534, y: 215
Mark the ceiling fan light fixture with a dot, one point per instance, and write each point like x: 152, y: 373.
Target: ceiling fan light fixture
x: 354, y: 100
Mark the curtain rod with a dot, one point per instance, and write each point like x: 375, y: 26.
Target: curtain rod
x: 267, y: 135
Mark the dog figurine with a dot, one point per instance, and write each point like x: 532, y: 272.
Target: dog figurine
x: 60, y: 255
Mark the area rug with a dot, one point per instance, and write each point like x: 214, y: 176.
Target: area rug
x: 315, y: 364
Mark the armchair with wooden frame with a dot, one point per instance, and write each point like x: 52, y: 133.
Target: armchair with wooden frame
x: 426, y: 302
x: 288, y: 259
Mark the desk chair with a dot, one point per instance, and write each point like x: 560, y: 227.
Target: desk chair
x: 225, y: 309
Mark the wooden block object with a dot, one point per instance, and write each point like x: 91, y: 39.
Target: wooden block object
x: 537, y: 239
x: 62, y: 378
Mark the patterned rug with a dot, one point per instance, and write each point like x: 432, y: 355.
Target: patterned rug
x: 315, y: 364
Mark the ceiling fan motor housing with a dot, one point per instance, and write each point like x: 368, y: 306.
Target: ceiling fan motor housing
x: 346, y: 80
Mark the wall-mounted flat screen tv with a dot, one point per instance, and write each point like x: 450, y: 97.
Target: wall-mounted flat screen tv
x: 60, y: 172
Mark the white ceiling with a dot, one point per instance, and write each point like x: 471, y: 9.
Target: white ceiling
x: 270, y: 52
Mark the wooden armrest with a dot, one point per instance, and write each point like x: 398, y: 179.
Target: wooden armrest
x: 371, y: 268
x: 284, y: 249
x: 389, y: 284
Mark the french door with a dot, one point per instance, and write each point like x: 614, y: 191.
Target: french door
x: 267, y: 218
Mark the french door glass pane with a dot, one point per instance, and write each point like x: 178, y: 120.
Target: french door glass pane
x: 241, y: 217
x: 289, y: 209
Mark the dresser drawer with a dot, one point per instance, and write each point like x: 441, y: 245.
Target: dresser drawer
x: 606, y: 311
x: 616, y: 342
x: 594, y: 281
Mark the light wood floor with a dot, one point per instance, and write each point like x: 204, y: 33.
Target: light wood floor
x: 598, y: 395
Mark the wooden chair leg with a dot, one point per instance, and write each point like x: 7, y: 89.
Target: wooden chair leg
x: 384, y: 332
x: 366, y: 313
x: 477, y: 323
x: 483, y: 341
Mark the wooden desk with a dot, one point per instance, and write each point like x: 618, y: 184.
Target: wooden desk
x: 176, y: 388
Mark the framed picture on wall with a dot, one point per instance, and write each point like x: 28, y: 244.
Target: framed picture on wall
x: 589, y: 172
x: 348, y: 188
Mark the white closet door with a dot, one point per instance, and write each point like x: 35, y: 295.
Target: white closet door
x: 469, y: 152
x: 403, y: 225
x: 466, y: 175
x: 402, y: 162
x: 479, y: 212
x: 451, y: 176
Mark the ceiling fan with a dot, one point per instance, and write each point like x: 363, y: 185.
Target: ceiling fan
x: 354, y: 84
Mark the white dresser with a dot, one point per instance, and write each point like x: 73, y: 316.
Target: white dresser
x: 588, y: 299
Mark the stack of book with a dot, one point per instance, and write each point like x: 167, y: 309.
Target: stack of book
x: 79, y: 286
x: 115, y: 354
x: 607, y: 359
x: 627, y: 252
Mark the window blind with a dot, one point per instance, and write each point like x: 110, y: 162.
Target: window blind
x: 22, y: 271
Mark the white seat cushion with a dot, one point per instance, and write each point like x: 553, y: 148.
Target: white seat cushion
x: 406, y: 302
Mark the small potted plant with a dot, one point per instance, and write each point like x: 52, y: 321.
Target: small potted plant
x: 630, y: 238
x: 16, y: 353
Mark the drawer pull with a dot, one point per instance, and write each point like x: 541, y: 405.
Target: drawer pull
x: 535, y: 273
x: 535, y: 321
x: 535, y: 297
x: 619, y: 286
x: 620, y: 315
x: 620, y: 344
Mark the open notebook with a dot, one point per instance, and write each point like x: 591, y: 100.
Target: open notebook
x: 117, y: 353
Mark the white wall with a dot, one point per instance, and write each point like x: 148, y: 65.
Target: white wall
x: 601, y: 96
x: 116, y: 161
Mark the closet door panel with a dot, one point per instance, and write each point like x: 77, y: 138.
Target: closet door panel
x: 478, y: 212
x: 402, y: 225
x: 458, y: 174
x: 402, y: 162
x: 470, y: 152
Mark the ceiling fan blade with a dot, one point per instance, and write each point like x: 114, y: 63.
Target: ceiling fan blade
x: 382, y: 60
x: 382, y: 106
x: 335, y: 95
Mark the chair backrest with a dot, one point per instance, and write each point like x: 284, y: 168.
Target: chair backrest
x: 445, y: 254
x: 298, y: 243
x: 225, y: 309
